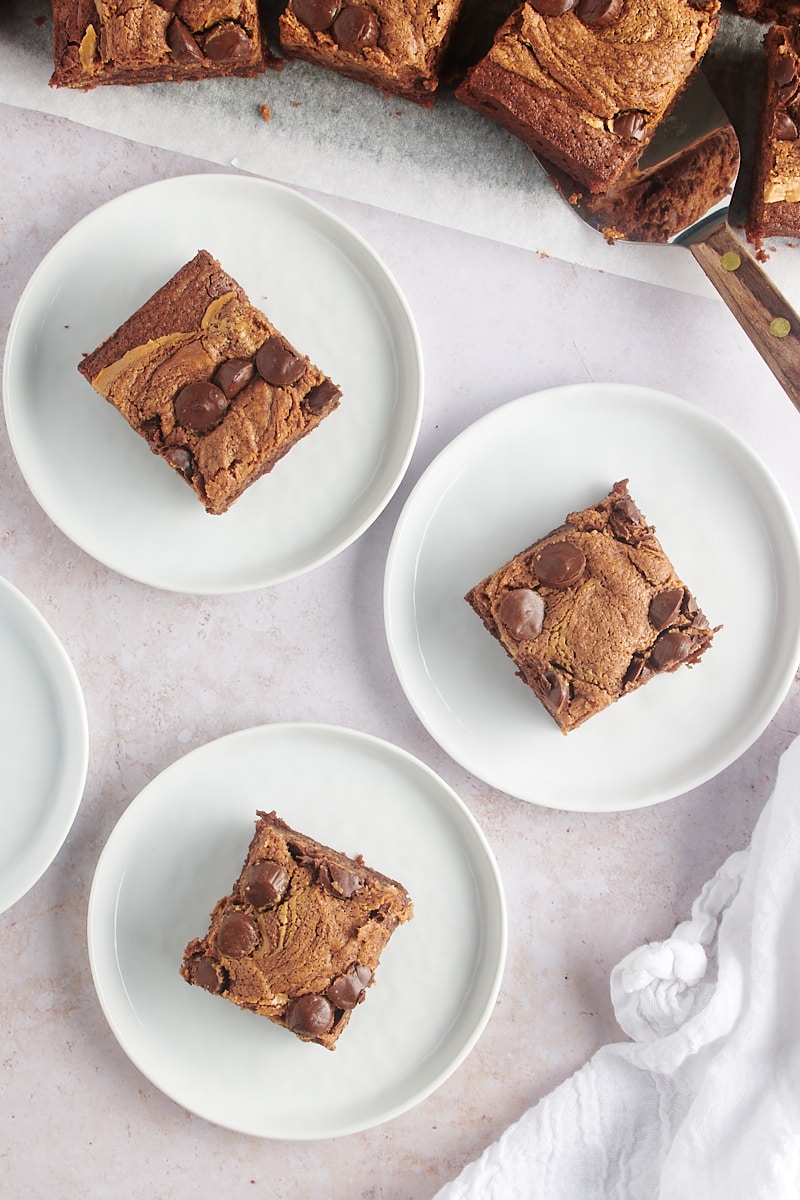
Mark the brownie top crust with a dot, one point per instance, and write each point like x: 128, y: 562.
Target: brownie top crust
x: 388, y: 43
x: 629, y: 65
x: 592, y: 610
x: 300, y: 935
x: 171, y: 371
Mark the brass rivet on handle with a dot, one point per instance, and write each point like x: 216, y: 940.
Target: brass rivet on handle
x: 780, y: 327
x: 730, y: 261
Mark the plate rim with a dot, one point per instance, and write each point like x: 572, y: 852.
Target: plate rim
x: 558, y: 393
x: 61, y: 670
x: 316, y: 211
x: 496, y: 948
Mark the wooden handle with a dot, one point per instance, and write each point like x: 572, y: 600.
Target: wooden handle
x: 765, y: 315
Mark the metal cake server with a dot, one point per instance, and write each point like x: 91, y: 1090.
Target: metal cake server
x: 679, y: 193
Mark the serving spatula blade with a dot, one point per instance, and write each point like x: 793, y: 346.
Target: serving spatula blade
x: 679, y: 193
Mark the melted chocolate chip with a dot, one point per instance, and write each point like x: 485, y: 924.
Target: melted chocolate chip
x: 205, y: 973
x: 630, y: 124
x: 279, y: 365
x: 521, y: 613
x: 664, y: 607
x: 348, y: 990
x: 231, y: 376
x: 236, y: 935
x: 784, y: 128
x: 670, y: 649
x: 559, y: 564
x: 320, y: 396
x: 625, y: 519
x: 180, y: 458
x: 181, y: 42
x: 557, y: 690
x: 200, y: 406
x: 355, y: 28
x: 553, y: 8
x: 598, y: 12
x: 309, y: 1015
x: 316, y: 14
x: 228, y: 43
x: 340, y: 881
x: 784, y: 71
x: 264, y: 883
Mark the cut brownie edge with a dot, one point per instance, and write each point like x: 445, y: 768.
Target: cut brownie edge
x: 592, y: 611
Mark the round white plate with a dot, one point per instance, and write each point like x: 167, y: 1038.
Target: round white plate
x: 180, y: 846
x: 319, y: 283
x: 508, y: 480
x: 44, y: 745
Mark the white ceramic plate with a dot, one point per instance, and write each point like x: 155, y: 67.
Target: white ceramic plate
x: 44, y: 745
x: 180, y: 846
x: 322, y: 286
x: 512, y: 477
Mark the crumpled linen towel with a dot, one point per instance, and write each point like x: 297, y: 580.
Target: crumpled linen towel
x: 704, y: 1102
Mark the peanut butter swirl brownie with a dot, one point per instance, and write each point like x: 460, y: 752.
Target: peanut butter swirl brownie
x: 585, y: 83
x: 211, y: 385
x: 775, y: 194
x: 153, y: 41
x: 592, y: 611
x: 393, y: 45
x: 300, y: 936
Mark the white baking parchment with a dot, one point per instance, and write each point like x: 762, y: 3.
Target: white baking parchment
x: 323, y: 132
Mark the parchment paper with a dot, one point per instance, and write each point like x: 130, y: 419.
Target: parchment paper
x: 448, y: 164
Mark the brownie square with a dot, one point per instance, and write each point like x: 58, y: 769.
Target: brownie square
x: 588, y: 87
x: 300, y: 936
x: 392, y: 45
x: 592, y: 611
x: 142, y: 41
x: 211, y: 385
x: 775, y: 194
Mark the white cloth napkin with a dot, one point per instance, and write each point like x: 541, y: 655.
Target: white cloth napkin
x: 704, y: 1102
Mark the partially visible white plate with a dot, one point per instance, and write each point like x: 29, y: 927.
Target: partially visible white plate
x: 323, y: 287
x: 512, y: 477
x: 179, y: 847
x: 44, y: 745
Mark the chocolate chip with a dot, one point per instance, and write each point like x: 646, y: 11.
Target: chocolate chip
x: 665, y: 607
x: 625, y: 519
x: 228, y: 43
x: 348, y: 990
x: 320, y: 396
x: 309, y: 1015
x: 784, y: 71
x: 670, y: 649
x: 181, y: 42
x: 180, y: 458
x: 205, y: 973
x: 553, y: 8
x: 231, y: 376
x: 200, y: 406
x: 784, y: 128
x: 316, y: 14
x: 263, y: 883
x: 355, y: 28
x: 630, y: 124
x: 636, y: 672
x: 279, y: 365
x: 521, y: 613
x: 167, y: 5
x: 236, y: 935
x: 598, y: 12
x: 340, y: 881
x: 556, y: 691
x: 559, y: 564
